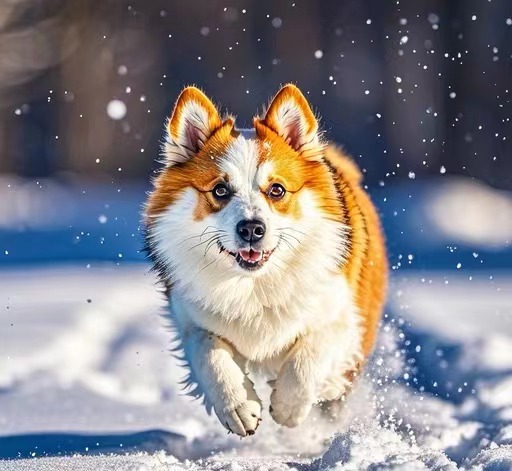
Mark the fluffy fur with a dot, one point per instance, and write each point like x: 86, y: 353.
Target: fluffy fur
x: 300, y: 303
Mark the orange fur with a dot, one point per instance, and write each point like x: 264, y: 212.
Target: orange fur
x: 297, y: 174
x: 327, y: 171
x: 195, y: 95
x: 366, y: 263
x: 200, y: 172
x: 290, y: 93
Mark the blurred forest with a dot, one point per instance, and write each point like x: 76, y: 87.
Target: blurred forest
x: 409, y: 87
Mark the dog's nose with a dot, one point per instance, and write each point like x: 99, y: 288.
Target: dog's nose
x: 251, y: 231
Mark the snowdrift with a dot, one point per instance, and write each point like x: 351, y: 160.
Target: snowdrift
x: 87, y: 382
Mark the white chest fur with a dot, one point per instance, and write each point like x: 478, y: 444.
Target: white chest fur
x: 261, y: 330
x: 300, y: 290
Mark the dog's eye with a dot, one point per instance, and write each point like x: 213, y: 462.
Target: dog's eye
x: 276, y: 191
x: 221, y: 191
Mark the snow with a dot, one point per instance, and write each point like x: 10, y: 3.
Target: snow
x: 116, y: 109
x: 87, y: 382
x: 486, y: 221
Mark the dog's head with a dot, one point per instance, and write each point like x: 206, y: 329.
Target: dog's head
x: 248, y: 203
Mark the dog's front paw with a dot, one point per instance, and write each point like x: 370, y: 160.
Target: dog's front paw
x: 243, y: 419
x: 292, y: 398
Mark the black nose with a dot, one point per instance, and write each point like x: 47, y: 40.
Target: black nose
x: 251, y: 231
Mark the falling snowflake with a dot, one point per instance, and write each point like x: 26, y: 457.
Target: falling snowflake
x: 116, y: 109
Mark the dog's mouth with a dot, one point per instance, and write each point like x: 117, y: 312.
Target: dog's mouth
x: 249, y: 259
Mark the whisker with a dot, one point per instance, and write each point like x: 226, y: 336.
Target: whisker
x: 293, y: 237
x: 215, y: 230
x: 287, y: 242
x: 211, y: 244
x: 199, y: 235
x: 291, y: 229
x: 202, y: 243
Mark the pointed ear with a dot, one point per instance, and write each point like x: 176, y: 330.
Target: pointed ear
x: 192, y: 122
x: 290, y: 116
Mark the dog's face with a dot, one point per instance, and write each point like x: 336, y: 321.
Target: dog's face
x: 242, y: 202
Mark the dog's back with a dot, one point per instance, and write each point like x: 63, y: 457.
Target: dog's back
x: 365, y: 263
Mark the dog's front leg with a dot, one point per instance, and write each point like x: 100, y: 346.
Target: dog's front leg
x: 220, y: 378
x: 316, y: 368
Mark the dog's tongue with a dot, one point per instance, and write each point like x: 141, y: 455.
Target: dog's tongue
x: 251, y: 255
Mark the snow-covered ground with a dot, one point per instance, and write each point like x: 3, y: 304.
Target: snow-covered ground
x: 87, y: 382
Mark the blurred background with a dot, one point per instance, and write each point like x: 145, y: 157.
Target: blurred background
x: 418, y: 91
x: 415, y: 91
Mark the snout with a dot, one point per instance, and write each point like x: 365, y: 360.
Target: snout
x: 251, y: 231
x: 250, y: 253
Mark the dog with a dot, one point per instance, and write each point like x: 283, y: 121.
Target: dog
x: 272, y: 257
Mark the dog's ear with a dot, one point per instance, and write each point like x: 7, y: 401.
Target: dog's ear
x: 194, y: 119
x: 290, y: 116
